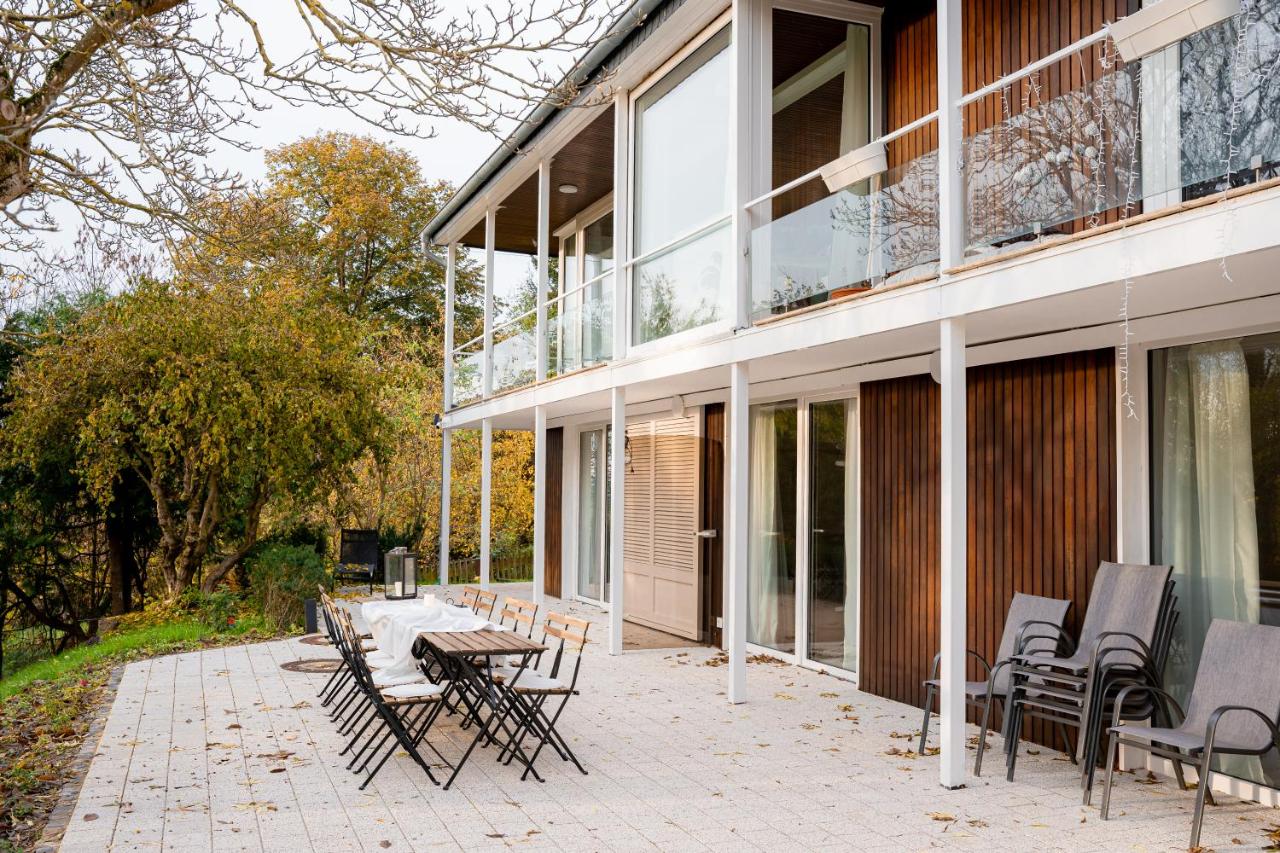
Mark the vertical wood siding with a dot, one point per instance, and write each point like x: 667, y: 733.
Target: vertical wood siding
x: 1041, y: 516
x: 711, y: 514
x: 553, y: 543
x: 1001, y: 36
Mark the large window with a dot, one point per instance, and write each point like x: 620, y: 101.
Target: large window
x: 1216, y: 493
x: 683, y: 259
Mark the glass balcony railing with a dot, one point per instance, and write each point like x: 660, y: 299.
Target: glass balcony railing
x: 468, y: 372
x: 515, y: 352
x: 880, y: 231
x: 1061, y: 162
x: 580, y: 327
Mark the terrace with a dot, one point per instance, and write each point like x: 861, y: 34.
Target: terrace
x: 224, y: 749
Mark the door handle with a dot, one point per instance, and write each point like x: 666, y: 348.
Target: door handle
x: 707, y: 534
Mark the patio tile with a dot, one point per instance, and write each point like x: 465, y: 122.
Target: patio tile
x: 191, y: 742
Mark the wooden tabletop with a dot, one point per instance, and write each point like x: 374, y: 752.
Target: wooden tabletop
x: 481, y: 642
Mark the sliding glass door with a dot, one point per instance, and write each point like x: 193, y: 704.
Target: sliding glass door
x: 593, y: 514
x: 803, y: 558
x: 1215, y: 496
x: 832, y: 613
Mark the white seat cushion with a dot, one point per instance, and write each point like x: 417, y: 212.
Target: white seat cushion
x: 377, y: 659
x: 532, y: 682
x: 369, y: 645
x: 412, y: 691
x: 382, y: 679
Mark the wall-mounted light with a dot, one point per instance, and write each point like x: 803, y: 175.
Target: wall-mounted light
x: 935, y: 366
x: 568, y: 189
x: 1159, y: 25
x: 857, y: 165
x: 677, y: 406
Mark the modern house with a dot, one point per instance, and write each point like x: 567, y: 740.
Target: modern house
x: 854, y: 320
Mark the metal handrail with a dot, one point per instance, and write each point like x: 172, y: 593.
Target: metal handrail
x: 671, y: 245
x: 816, y: 173
x: 1026, y: 71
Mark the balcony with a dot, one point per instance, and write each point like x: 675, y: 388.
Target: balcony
x: 1068, y: 145
x: 580, y: 328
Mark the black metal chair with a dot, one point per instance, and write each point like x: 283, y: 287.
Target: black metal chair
x: 358, y: 557
x: 1124, y: 640
x: 1025, y: 632
x: 1234, y: 709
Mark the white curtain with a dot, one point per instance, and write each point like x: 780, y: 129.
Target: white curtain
x: 1209, y: 529
x: 764, y: 551
x: 851, y: 482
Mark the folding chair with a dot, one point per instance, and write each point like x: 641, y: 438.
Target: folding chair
x: 481, y: 601
x: 1032, y: 626
x: 1234, y: 709
x: 403, y: 706
x: 1124, y: 640
x: 527, y: 692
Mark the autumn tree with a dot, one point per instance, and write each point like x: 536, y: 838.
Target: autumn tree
x: 218, y: 398
x: 341, y: 212
x: 119, y: 107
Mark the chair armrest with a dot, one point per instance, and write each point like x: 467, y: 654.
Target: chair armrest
x: 1211, y: 729
x: 1139, y: 687
x: 937, y: 662
x: 1058, y: 633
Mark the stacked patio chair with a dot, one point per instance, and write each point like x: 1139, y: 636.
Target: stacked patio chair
x: 480, y: 601
x: 1234, y: 709
x: 528, y: 691
x: 1124, y: 640
x: 358, y: 557
x: 1032, y: 626
x: 400, y: 710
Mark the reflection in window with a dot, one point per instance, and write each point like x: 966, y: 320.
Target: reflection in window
x: 682, y: 194
x: 1216, y: 493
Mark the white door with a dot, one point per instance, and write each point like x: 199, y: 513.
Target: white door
x: 663, y: 583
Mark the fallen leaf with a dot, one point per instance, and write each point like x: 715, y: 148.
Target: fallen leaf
x: 942, y: 817
x: 91, y: 816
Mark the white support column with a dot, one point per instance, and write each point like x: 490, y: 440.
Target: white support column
x: 544, y: 249
x: 954, y: 567
x: 490, y: 223
x: 539, y: 502
x: 742, y: 99
x: 617, y: 515
x: 486, y: 498
x: 738, y: 472
x: 446, y: 485
x: 450, y: 286
x: 950, y: 136
x: 621, y: 221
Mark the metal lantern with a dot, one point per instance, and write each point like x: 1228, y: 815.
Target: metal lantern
x: 400, y: 568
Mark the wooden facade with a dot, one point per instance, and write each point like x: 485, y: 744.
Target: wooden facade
x: 711, y: 517
x: 553, y: 541
x: 1041, y: 515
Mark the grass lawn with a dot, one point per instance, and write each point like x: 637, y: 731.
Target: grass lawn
x: 46, y: 708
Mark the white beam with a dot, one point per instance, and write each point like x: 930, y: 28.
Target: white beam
x: 486, y: 498
x: 746, y: 101
x: 954, y: 568
x: 539, y: 502
x: 738, y: 472
x: 446, y: 484
x: 544, y: 248
x: 950, y: 136
x: 617, y: 515
x: 490, y: 224
x: 621, y: 220
x: 450, y: 286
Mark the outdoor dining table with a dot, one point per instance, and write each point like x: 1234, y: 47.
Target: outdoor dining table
x: 467, y: 656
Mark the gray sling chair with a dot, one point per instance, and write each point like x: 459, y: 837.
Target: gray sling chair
x: 1023, y: 633
x: 1124, y: 640
x: 1234, y: 709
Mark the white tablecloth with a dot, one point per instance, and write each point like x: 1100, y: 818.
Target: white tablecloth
x: 396, y: 624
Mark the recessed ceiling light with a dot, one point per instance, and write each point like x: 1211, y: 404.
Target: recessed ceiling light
x: 568, y: 189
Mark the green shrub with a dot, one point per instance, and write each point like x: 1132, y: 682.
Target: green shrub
x: 281, y: 577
